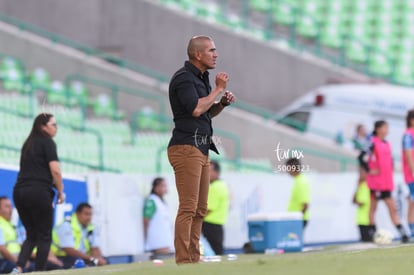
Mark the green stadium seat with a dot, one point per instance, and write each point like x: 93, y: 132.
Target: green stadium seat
x: 13, y: 75
x: 307, y: 26
x: 362, y: 27
x: 385, y: 16
x: 171, y: 3
x: 103, y: 106
x: 406, y: 15
x: 113, y: 132
x: 260, y: 5
x: 406, y: 44
x: 334, y: 19
x: 379, y: 64
x: 293, y: 3
x: 404, y: 74
x: 69, y: 116
x: 361, y: 33
x: 13, y: 80
x: 210, y: 12
x: 339, y: 7
x: 386, y: 5
x: 257, y: 33
x: 407, y: 6
x: 386, y: 24
x: 407, y: 30
x: 333, y: 24
x: 383, y: 44
x: 312, y: 8
x: 385, y: 31
x: 356, y: 51
x: 10, y: 63
x: 234, y: 22
x: 331, y: 36
x: 361, y: 6
x: 78, y: 93
x: 188, y: 5
x: 148, y: 119
x: 16, y: 103
x: 40, y: 79
x: 57, y: 93
x: 404, y: 57
x: 284, y: 13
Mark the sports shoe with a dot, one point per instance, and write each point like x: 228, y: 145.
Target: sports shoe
x: 405, y: 239
x: 15, y: 271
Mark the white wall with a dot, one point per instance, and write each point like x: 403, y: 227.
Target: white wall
x: 118, y: 199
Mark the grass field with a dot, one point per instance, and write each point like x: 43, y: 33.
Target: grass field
x: 389, y: 260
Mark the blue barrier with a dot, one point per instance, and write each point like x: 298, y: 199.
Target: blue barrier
x: 76, y: 192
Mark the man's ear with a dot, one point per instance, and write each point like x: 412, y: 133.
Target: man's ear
x: 198, y: 55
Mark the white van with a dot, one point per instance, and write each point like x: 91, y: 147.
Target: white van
x: 334, y: 111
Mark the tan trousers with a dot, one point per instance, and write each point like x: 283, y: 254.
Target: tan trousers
x: 192, y: 178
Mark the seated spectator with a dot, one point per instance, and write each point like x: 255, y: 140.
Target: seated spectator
x: 10, y: 242
x: 75, y: 238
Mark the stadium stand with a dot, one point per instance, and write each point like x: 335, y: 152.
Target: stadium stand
x: 104, y: 140
x: 251, y: 117
x: 374, y: 37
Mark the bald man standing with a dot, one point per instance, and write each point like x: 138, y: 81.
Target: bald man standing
x: 193, y: 104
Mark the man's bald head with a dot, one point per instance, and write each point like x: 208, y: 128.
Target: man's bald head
x: 196, y: 44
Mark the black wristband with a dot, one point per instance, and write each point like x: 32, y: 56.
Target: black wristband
x: 224, y: 105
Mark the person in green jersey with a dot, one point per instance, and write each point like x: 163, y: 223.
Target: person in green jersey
x: 218, y: 208
x: 300, y: 195
x: 362, y: 199
x: 158, y: 228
